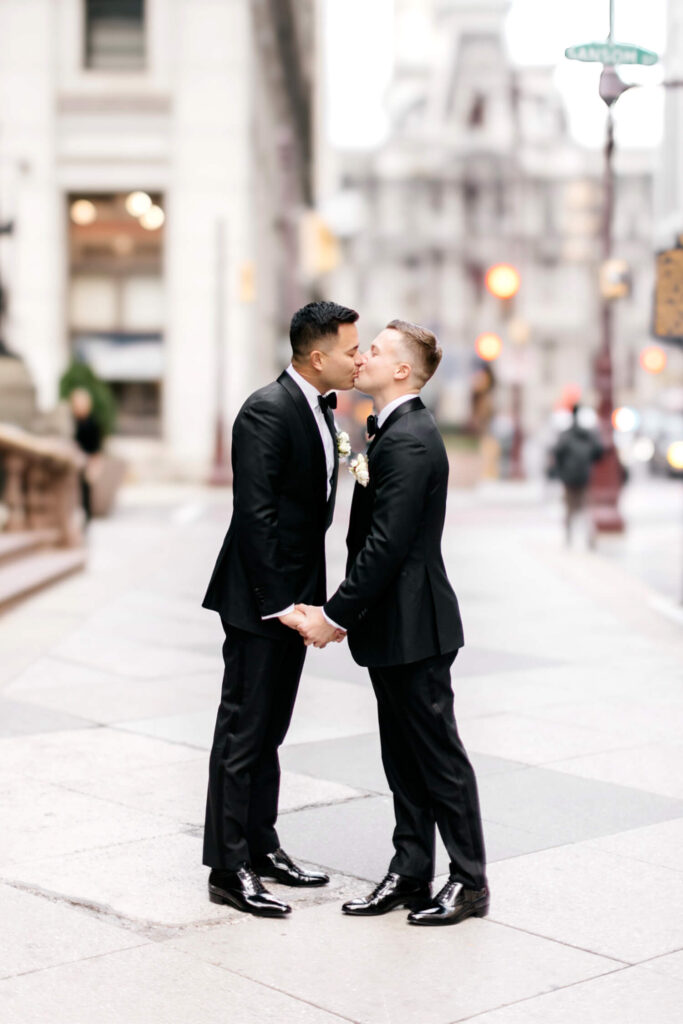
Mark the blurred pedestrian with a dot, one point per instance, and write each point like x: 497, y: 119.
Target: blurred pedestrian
x: 576, y: 450
x: 88, y: 437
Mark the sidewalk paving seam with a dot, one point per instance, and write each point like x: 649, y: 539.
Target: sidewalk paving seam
x: 660, y: 956
x: 560, y: 942
x: 628, y: 856
x: 363, y: 795
x: 551, y: 991
x: 182, y: 827
x: 271, y: 988
x: 164, y: 932
x: 620, y: 966
x: 69, y: 963
x: 612, y: 750
x: 155, y: 933
x: 152, y: 736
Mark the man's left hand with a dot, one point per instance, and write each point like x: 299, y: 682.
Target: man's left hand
x: 315, y: 629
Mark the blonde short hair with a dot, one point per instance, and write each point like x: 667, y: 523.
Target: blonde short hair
x: 423, y: 347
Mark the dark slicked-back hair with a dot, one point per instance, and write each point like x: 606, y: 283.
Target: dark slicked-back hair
x: 316, y: 321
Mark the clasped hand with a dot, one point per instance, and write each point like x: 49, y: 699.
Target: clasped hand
x: 313, y: 626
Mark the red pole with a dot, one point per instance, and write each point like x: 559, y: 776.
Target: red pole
x: 606, y: 480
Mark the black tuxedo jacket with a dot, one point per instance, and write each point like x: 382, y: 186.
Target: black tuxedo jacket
x: 396, y: 601
x: 273, y: 554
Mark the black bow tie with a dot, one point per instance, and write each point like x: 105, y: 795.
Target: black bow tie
x: 328, y: 401
x: 372, y: 425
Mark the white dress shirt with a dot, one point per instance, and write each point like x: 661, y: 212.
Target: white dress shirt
x: 311, y: 395
x: 388, y: 409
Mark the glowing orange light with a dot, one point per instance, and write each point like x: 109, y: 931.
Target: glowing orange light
x: 502, y: 280
x: 488, y: 346
x: 571, y: 395
x: 674, y: 455
x: 653, y: 359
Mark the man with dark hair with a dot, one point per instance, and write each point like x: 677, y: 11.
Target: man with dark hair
x: 315, y: 321
x: 403, y: 623
x: 284, y: 460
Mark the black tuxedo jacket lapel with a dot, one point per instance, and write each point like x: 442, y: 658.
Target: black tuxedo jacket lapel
x: 396, y: 601
x: 274, y: 550
x: 411, y: 406
x: 363, y: 497
x: 329, y: 419
x: 305, y: 412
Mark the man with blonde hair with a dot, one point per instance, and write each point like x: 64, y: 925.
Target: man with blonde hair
x: 403, y: 623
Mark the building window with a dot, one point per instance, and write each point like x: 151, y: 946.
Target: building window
x: 477, y: 111
x: 475, y: 274
x: 115, y: 35
x: 116, y: 309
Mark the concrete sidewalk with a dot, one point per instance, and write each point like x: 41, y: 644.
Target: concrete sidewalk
x: 569, y: 697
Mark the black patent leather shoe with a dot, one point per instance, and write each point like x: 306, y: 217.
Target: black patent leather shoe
x: 452, y: 904
x: 392, y: 892
x: 281, y: 867
x: 244, y: 890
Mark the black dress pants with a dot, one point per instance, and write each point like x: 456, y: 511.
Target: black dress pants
x: 259, y: 689
x: 428, y: 771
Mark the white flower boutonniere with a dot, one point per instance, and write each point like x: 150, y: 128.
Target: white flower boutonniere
x: 343, y: 444
x: 359, y: 470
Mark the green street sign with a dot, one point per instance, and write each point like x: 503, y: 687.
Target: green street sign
x: 611, y: 54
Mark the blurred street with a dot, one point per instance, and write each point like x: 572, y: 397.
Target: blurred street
x: 569, y: 697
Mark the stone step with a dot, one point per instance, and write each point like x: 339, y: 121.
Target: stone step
x: 24, y: 576
x: 22, y: 543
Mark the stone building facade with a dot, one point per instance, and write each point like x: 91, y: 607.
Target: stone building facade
x: 204, y: 107
x: 480, y: 169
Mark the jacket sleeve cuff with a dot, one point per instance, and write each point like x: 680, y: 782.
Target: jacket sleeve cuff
x: 331, y: 621
x: 276, y: 615
x: 335, y: 615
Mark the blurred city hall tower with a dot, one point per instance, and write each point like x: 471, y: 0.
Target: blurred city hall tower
x: 154, y: 155
x: 480, y: 169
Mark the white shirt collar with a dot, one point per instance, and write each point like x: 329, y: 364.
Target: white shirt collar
x: 388, y: 409
x: 310, y: 391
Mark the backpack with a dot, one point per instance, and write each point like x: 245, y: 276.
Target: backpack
x: 574, y: 455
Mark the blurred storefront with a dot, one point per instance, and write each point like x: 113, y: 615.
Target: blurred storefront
x: 155, y: 159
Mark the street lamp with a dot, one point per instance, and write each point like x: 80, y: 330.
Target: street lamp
x: 488, y: 346
x: 606, y: 480
x: 653, y: 359
x: 607, y: 476
x: 503, y: 281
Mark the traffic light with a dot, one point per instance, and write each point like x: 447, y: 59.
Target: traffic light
x: 502, y: 281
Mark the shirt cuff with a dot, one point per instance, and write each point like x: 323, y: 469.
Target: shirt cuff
x: 276, y: 615
x: 331, y: 621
